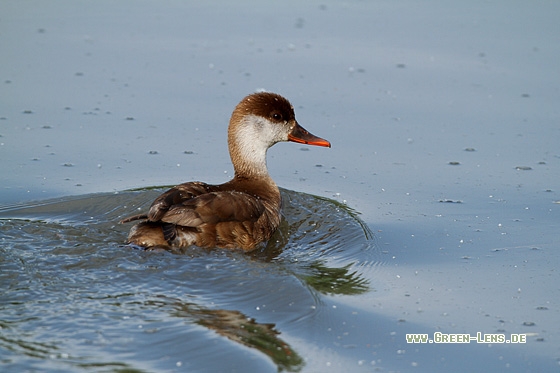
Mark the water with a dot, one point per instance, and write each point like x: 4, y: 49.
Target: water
x: 443, y: 119
x: 74, y: 296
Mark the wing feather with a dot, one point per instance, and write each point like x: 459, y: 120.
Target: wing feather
x: 194, y: 204
x: 177, y: 195
x: 213, y: 208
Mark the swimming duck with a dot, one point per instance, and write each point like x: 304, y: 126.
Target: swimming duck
x: 241, y: 213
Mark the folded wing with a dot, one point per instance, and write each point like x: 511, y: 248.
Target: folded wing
x: 194, y: 204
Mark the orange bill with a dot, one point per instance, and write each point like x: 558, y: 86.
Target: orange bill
x: 302, y: 136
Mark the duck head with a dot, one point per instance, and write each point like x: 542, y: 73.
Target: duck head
x: 259, y: 121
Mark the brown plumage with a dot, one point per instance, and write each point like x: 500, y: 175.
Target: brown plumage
x: 238, y: 214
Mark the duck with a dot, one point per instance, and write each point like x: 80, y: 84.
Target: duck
x: 243, y: 212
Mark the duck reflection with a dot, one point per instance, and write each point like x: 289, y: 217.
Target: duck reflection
x: 239, y: 328
x: 327, y: 280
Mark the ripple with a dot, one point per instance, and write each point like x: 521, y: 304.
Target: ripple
x: 73, y: 290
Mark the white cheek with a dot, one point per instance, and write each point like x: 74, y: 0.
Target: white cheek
x: 278, y: 132
x: 262, y: 130
x: 250, y: 140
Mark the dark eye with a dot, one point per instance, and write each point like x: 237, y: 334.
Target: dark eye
x: 277, y: 116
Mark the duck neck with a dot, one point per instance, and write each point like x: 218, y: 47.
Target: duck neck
x: 248, y: 155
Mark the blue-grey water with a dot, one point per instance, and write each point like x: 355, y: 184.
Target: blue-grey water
x: 74, y: 296
x: 435, y: 210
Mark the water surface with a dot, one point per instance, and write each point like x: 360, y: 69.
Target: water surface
x: 74, y: 296
x: 443, y: 119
